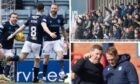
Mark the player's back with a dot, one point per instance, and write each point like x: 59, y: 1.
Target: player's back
x: 35, y: 29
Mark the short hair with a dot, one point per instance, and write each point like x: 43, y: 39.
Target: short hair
x: 54, y: 4
x: 112, y: 51
x: 96, y: 46
x: 39, y: 6
x: 13, y: 13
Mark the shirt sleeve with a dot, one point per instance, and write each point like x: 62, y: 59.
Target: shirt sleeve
x: 132, y: 74
x: 62, y: 21
x: 78, y: 66
x: 1, y: 32
x: 104, y: 76
x: 27, y: 22
x: 44, y: 19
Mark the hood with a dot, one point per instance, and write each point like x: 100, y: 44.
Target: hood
x: 124, y: 57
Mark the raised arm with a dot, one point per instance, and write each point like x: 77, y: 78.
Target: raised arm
x: 17, y: 31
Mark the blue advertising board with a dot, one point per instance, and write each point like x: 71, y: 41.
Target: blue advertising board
x: 24, y: 71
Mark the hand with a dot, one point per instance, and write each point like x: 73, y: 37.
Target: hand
x: 87, y: 55
x: 1, y: 54
x: 66, y: 39
x: 23, y: 40
x: 53, y: 35
x: 10, y: 37
x: 0, y: 45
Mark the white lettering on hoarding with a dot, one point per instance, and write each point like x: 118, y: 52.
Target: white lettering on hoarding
x: 52, y: 76
x: 24, y: 75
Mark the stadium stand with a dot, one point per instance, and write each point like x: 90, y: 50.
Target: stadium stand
x: 119, y: 22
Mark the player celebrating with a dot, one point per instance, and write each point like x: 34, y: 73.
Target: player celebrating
x: 53, y: 22
x: 7, y: 45
x: 34, y: 39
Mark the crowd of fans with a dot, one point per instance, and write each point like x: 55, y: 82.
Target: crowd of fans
x: 119, y: 22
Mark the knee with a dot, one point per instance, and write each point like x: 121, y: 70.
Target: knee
x: 46, y: 59
x: 9, y: 63
x: 60, y: 55
x: 37, y: 60
x: 21, y: 59
x: 23, y: 56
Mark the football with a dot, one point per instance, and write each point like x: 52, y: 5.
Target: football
x: 20, y: 36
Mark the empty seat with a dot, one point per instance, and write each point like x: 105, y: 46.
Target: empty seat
x: 62, y: 2
x: 45, y: 2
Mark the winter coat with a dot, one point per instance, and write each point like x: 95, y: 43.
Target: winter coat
x: 123, y: 73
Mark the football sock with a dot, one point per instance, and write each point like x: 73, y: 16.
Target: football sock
x: 61, y: 64
x: 36, y: 71
x: 7, y: 70
x: 1, y: 68
x: 45, y: 66
x: 15, y: 58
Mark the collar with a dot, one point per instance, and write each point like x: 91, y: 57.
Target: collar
x: 53, y: 16
x: 11, y: 23
x: 91, y: 60
x: 38, y: 13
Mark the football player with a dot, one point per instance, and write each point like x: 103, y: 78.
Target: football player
x: 53, y: 22
x: 34, y: 39
x: 7, y: 45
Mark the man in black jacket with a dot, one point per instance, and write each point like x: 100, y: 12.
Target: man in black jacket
x: 89, y: 70
x: 120, y: 70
